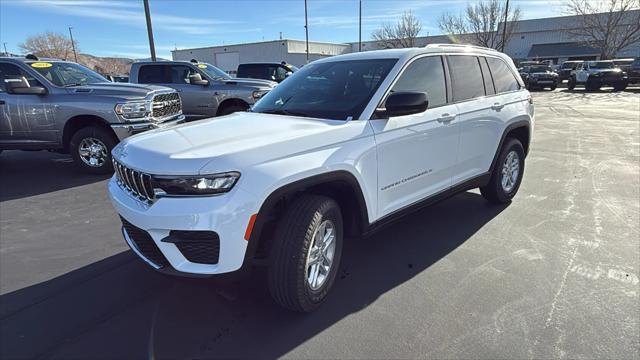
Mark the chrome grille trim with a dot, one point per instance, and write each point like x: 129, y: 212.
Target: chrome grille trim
x: 134, y: 182
x: 165, y: 106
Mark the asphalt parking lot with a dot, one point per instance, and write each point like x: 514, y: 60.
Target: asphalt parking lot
x: 552, y: 275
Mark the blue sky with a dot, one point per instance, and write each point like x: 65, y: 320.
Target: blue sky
x: 117, y: 27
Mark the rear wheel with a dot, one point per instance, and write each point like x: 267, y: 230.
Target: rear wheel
x: 91, y: 148
x: 507, y: 173
x: 620, y: 86
x: 571, y: 84
x: 305, y: 253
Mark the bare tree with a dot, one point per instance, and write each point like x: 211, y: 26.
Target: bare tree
x: 481, y: 24
x: 115, y: 66
x: 49, y: 44
x: 608, y: 25
x: 401, y: 35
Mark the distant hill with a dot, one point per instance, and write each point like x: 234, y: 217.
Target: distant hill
x: 106, y: 65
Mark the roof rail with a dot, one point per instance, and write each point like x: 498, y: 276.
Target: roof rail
x: 468, y: 46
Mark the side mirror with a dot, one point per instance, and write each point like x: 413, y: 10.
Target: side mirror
x: 196, y: 79
x: 406, y: 103
x: 289, y: 73
x: 20, y: 86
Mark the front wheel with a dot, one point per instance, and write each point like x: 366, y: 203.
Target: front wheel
x: 91, y: 148
x: 507, y: 173
x: 619, y: 86
x: 571, y: 84
x: 305, y: 253
x: 232, y: 109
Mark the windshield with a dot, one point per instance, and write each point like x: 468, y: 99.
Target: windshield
x: 569, y: 65
x: 213, y: 72
x: 67, y: 74
x: 330, y: 90
x: 601, y: 65
x: 539, y: 68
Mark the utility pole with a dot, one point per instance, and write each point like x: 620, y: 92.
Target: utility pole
x: 6, y: 53
x: 306, y: 28
x: 360, y: 28
x: 147, y: 14
x: 504, y: 26
x: 73, y: 45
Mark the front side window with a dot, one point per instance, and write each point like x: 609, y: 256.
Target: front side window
x: 329, y: 90
x: 425, y: 75
x: 466, y: 77
x: 503, y: 78
x: 180, y: 74
x: 67, y: 74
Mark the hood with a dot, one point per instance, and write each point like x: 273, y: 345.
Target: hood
x: 229, y: 143
x: 120, y: 90
x: 260, y: 83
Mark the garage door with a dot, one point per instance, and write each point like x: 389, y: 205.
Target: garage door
x: 228, y: 61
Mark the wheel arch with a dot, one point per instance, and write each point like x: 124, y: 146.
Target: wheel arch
x: 520, y: 130
x: 81, y: 121
x: 340, y: 185
x: 231, y: 102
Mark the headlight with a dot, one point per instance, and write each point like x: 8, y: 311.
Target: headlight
x: 196, y: 185
x: 259, y: 93
x: 134, y: 110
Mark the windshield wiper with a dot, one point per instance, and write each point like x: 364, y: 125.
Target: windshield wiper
x: 72, y: 85
x: 285, y: 112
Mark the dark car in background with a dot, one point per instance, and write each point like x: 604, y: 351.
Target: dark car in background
x: 633, y: 72
x: 539, y: 77
x: 566, y: 69
x: 266, y: 71
x: 623, y: 64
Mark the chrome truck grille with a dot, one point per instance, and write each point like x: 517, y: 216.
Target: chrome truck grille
x: 135, y: 182
x: 166, y: 105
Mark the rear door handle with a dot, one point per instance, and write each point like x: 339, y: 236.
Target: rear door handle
x: 497, y: 106
x: 446, y: 118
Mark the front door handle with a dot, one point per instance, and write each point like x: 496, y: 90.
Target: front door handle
x: 446, y: 118
x: 497, y: 106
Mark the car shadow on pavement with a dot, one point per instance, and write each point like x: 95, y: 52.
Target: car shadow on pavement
x: 118, y: 308
x: 29, y: 173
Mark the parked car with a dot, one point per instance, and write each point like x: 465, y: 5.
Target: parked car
x: 206, y: 91
x: 344, y: 146
x: 596, y: 74
x: 539, y: 77
x: 634, y: 71
x: 567, y: 68
x: 623, y: 64
x: 49, y: 104
x: 268, y: 71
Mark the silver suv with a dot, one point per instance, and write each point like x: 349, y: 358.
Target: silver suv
x: 56, y: 105
x: 206, y: 91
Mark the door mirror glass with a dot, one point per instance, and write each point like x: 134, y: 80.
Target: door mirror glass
x: 19, y: 85
x: 406, y: 103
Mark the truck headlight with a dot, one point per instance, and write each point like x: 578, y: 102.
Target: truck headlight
x: 134, y: 110
x: 195, y: 185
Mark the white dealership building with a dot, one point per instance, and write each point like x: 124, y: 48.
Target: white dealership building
x: 535, y: 39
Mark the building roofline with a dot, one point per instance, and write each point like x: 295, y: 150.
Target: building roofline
x: 260, y: 42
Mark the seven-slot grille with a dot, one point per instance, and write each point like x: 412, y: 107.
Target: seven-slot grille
x: 135, y: 182
x: 166, y: 105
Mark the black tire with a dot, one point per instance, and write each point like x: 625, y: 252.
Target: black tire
x: 553, y: 87
x: 620, y: 86
x: 494, y: 192
x: 102, y: 135
x: 287, y: 271
x: 232, y: 108
x: 571, y: 84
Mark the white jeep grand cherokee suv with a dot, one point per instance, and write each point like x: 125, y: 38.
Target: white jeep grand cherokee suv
x: 345, y: 145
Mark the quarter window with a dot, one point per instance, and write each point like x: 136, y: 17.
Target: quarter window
x: 425, y: 75
x: 486, y: 75
x: 466, y: 77
x: 503, y: 78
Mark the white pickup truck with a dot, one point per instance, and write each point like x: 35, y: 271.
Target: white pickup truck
x: 345, y: 145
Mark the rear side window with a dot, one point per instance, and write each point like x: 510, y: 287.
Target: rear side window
x: 153, y: 74
x: 503, y: 78
x: 466, y: 77
x: 425, y: 75
x: 486, y: 75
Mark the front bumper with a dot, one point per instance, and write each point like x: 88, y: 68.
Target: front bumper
x: 227, y: 215
x: 125, y: 130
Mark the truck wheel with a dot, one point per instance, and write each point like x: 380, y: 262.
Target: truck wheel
x: 619, y: 86
x: 305, y: 254
x: 571, y: 84
x: 231, y: 109
x: 91, y: 147
x: 507, y: 174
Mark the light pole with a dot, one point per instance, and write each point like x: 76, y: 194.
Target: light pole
x: 360, y: 28
x: 147, y: 14
x: 5, y: 49
x: 504, y: 26
x: 73, y: 45
x: 306, y: 28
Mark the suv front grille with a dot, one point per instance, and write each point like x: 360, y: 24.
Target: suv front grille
x: 135, y: 182
x: 144, y: 244
x: 166, y: 105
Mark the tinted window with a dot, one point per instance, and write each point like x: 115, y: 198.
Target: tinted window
x: 10, y: 70
x: 329, y: 90
x: 425, y: 75
x: 503, y: 78
x: 180, y: 74
x: 152, y: 74
x: 466, y: 77
x: 486, y: 76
